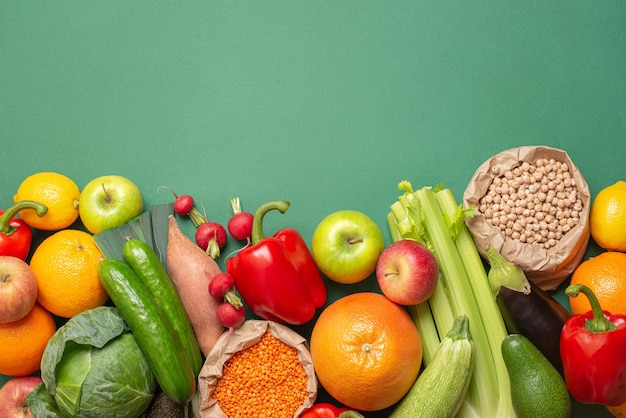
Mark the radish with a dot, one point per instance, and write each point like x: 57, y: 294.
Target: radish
x: 211, y: 237
x: 230, y: 316
x: 230, y: 312
x: 240, y: 224
x: 182, y: 204
x: 220, y: 284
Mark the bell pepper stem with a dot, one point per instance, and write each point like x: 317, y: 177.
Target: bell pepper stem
x: 257, y: 223
x: 5, y: 219
x: 599, y: 322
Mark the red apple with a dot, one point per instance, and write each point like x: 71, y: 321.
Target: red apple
x: 18, y: 289
x: 13, y: 396
x: 407, y: 272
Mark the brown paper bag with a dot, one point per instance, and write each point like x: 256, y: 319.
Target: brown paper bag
x: 547, y: 268
x: 241, y: 338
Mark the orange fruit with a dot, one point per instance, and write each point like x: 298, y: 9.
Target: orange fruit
x: 22, y: 342
x: 66, y: 269
x: 366, y: 351
x: 58, y: 192
x: 607, y: 219
x: 617, y: 411
x: 605, y: 274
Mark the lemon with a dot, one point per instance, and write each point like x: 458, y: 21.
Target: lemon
x: 58, y: 192
x: 608, y: 217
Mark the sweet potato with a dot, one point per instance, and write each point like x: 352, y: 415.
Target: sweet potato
x: 191, y: 270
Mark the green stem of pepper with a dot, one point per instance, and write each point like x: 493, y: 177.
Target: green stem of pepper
x: 599, y: 322
x: 9, y: 214
x: 257, y: 223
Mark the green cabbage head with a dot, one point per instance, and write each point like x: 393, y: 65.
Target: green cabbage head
x: 93, y: 367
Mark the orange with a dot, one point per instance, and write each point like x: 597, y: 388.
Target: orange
x: 607, y: 219
x: 66, y: 269
x: 366, y: 351
x: 617, y: 411
x: 605, y: 274
x: 58, y: 192
x: 22, y: 342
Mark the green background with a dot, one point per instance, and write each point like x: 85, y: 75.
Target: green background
x: 326, y: 104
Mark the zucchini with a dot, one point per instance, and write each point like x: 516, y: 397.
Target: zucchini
x: 440, y: 389
x: 154, y: 334
x: 146, y: 264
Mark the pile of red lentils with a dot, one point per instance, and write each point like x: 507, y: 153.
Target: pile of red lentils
x: 265, y: 380
x: 534, y: 202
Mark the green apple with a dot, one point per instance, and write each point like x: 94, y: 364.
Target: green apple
x: 346, y: 245
x: 109, y: 201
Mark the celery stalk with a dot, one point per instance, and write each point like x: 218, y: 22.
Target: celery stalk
x: 438, y: 313
x: 461, y: 299
x: 425, y: 323
x: 420, y: 313
x: 393, y: 228
x: 483, y: 292
x: 422, y: 219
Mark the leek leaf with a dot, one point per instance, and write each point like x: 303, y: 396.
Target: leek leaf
x: 150, y: 227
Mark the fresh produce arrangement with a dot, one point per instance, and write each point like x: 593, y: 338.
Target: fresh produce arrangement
x: 118, y: 312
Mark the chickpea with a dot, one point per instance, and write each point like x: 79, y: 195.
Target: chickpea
x: 533, y: 202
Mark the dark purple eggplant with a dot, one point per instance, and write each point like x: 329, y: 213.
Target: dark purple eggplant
x: 526, y: 308
x: 537, y: 316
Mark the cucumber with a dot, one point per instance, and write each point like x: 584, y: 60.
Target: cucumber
x: 146, y: 264
x: 537, y: 388
x: 440, y: 389
x: 154, y: 334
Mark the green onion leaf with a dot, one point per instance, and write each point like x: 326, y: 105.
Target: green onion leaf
x: 150, y: 227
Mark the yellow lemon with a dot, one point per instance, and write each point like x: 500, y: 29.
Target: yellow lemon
x: 608, y: 217
x: 58, y: 192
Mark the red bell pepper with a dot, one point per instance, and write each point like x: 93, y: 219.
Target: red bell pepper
x: 15, y: 235
x: 593, y: 351
x: 328, y: 410
x: 277, y: 276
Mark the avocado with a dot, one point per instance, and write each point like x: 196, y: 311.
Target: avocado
x: 537, y: 388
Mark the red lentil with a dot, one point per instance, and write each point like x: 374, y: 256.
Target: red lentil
x: 264, y: 380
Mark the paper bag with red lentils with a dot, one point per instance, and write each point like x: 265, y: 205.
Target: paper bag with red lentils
x: 259, y: 369
x: 532, y: 204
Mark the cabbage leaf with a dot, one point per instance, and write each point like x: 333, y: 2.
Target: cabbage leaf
x: 93, y: 367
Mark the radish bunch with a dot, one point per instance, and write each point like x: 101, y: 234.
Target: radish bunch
x: 230, y: 312
x: 210, y: 236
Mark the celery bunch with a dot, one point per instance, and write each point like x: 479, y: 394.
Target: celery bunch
x: 432, y: 217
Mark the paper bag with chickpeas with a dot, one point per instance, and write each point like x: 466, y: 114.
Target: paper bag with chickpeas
x: 531, y: 204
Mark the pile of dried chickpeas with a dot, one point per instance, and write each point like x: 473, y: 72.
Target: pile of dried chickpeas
x: 533, y: 202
